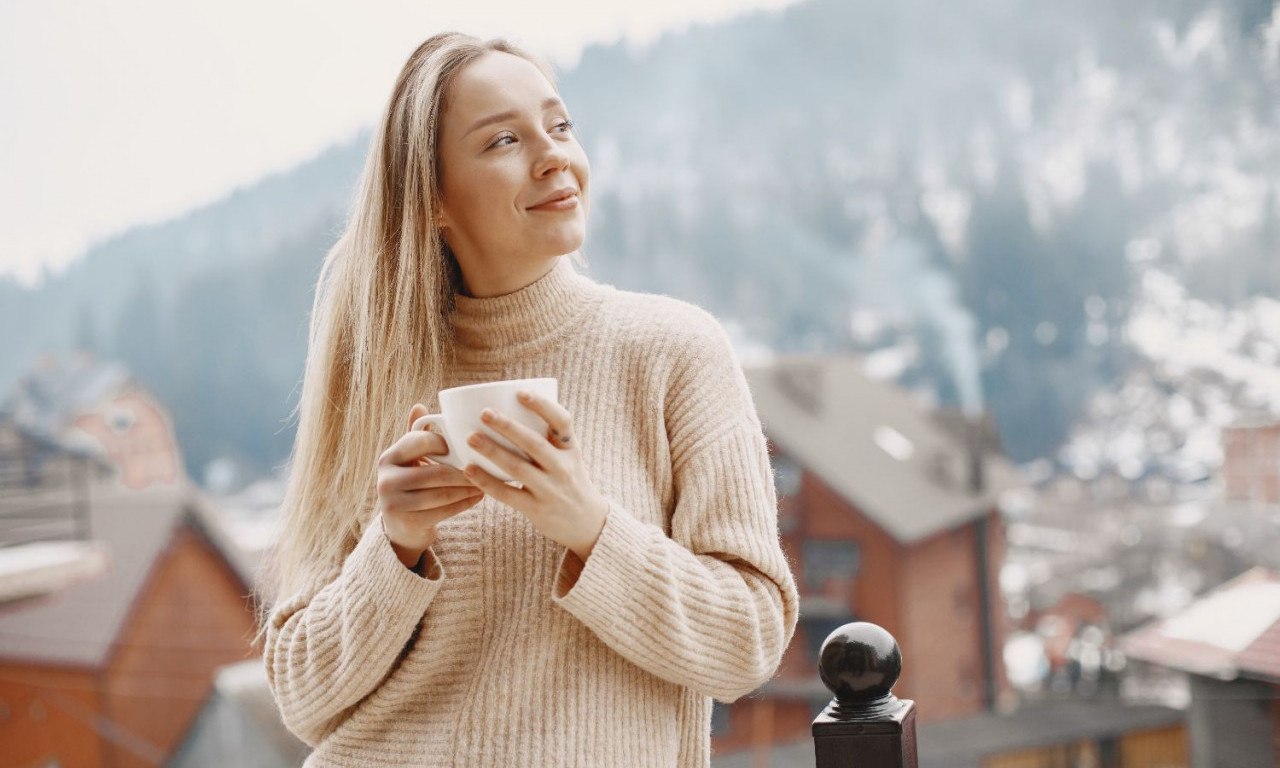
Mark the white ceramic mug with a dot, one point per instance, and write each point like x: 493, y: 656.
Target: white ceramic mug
x: 460, y: 409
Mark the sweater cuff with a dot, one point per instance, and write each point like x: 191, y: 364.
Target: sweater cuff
x: 593, y: 590
x: 374, y: 570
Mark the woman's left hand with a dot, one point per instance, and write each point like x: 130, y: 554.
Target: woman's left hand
x: 557, y: 496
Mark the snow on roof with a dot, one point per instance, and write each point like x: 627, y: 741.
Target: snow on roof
x: 1234, y: 630
x: 48, y: 566
x: 1230, y: 620
x: 50, y: 395
x: 78, y: 624
x: 874, y: 444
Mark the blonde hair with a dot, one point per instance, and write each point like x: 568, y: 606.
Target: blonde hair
x: 381, y: 333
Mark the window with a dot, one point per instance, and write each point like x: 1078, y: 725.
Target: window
x: 719, y: 718
x: 33, y: 464
x: 120, y: 419
x: 826, y: 560
x: 815, y: 631
x: 786, y: 475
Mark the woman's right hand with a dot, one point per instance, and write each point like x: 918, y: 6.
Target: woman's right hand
x: 416, y: 495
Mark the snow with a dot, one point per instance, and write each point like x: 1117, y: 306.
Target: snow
x: 42, y: 567
x: 1231, y: 619
x: 1202, y: 367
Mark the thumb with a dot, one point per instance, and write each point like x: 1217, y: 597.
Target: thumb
x: 416, y: 412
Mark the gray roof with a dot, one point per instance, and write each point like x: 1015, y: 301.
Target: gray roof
x: 828, y: 416
x: 48, y: 396
x: 78, y: 625
x: 30, y: 435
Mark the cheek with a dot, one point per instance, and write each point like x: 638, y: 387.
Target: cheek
x: 584, y: 179
x: 478, y: 190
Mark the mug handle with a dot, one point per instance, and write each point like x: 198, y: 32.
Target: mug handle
x: 437, y: 420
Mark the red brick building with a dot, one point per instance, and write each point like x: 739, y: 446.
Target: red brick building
x: 888, y: 514
x: 116, y: 606
x: 1251, y: 461
x: 112, y: 671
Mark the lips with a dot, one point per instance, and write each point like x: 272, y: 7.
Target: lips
x: 559, y: 194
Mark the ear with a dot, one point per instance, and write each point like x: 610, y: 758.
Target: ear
x: 439, y: 219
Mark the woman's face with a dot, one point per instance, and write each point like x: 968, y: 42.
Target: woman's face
x: 505, y: 146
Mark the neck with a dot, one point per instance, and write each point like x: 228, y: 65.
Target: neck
x: 496, y: 325
x: 490, y: 279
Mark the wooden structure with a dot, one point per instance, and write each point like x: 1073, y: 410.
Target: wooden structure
x: 865, y: 725
x: 113, y: 671
x: 44, y: 487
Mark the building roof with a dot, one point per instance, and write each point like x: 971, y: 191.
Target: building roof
x: 78, y: 625
x: 875, y: 445
x: 47, y: 397
x: 36, y: 436
x: 1232, y: 631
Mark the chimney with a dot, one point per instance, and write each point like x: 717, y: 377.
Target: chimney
x: 973, y: 444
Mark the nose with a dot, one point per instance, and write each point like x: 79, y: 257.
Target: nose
x: 552, y: 158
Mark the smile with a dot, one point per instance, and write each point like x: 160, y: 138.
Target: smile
x: 563, y: 204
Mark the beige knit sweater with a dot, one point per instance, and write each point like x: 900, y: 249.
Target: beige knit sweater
x: 513, y: 652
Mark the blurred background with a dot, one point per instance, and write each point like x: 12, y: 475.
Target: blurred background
x: 1005, y: 278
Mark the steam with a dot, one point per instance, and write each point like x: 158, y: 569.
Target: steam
x: 898, y: 281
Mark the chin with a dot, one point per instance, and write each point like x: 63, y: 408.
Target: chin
x: 564, y: 242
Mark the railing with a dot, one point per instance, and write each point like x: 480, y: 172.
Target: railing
x: 865, y: 725
x: 44, y: 496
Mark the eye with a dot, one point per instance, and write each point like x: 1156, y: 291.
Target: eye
x: 567, y: 125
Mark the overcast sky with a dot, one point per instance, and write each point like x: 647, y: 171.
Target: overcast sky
x: 119, y: 113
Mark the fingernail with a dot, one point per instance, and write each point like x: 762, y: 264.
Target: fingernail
x: 486, y: 415
x: 523, y: 395
x: 474, y: 440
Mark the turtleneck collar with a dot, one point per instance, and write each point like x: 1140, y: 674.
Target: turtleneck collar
x: 498, y: 324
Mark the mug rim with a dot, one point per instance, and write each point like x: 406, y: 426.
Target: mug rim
x: 492, y: 384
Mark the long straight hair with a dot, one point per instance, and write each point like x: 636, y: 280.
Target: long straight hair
x: 381, y: 333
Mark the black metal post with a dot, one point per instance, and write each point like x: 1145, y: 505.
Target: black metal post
x: 865, y: 725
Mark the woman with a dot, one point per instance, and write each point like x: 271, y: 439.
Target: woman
x: 429, y: 616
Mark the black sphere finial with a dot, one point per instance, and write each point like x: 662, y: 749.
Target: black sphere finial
x: 860, y: 663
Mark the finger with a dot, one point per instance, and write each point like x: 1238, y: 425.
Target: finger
x: 449, y: 475
x: 426, y: 476
x: 525, y: 439
x: 516, y: 498
x: 416, y: 412
x: 414, y: 445
x: 430, y: 500
x: 516, y: 466
x: 455, y: 508
x: 557, y: 417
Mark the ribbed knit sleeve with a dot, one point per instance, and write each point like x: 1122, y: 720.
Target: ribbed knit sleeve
x: 713, y: 606
x: 327, y: 649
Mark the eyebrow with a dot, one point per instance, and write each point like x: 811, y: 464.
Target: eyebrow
x: 554, y: 101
